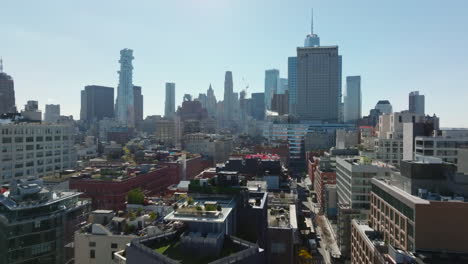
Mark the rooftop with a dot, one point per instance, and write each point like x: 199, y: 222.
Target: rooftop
x: 282, y: 217
x: 30, y: 193
x: 202, y: 210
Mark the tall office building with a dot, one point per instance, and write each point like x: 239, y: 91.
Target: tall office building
x: 312, y: 40
x: 384, y: 107
x: 292, y: 84
x: 138, y: 104
x: 318, y: 84
x: 169, y: 107
x: 97, y: 102
x: 124, y: 106
x: 211, y: 102
x: 271, y: 86
x: 416, y: 103
x: 228, y: 97
x: 52, y: 113
x: 7, y: 92
x: 258, y: 106
x: 282, y: 86
x: 352, y: 99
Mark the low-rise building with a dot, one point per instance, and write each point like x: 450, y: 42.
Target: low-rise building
x: 99, y: 240
x: 445, y: 145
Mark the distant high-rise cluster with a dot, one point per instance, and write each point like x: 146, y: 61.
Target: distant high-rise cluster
x: 7, y: 92
x: 124, y: 106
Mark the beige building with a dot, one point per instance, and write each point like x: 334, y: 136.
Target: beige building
x: 97, y: 242
x: 389, y: 142
x: 166, y: 131
x: 34, y: 149
x: 213, y: 146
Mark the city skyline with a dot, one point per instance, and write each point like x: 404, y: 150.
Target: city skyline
x: 398, y: 70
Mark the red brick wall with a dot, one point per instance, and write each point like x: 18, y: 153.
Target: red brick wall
x: 112, y: 194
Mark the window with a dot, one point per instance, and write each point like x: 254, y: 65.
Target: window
x: 114, y: 245
x: 92, y: 244
x: 112, y: 254
x: 92, y: 253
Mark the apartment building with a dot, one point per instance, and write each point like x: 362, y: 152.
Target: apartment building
x: 34, y: 149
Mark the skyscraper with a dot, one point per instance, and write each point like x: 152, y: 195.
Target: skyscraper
x: 52, y: 113
x: 7, y: 92
x: 138, y: 104
x: 124, y: 106
x: 283, y: 85
x: 258, y: 106
x: 318, y: 84
x: 169, y: 108
x: 97, y: 102
x: 228, y: 97
x: 292, y: 84
x: 271, y: 86
x: 384, y: 107
x: 352, y: 99
x: 416, y: 103
x: 211, y: 102
x: 312, y: 40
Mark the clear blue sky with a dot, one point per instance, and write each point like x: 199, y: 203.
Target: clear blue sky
x: 53, y: 48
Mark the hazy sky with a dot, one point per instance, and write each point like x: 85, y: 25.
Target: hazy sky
x: 54, y: 48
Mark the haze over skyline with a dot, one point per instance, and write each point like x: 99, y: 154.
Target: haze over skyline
x: 53, y: 49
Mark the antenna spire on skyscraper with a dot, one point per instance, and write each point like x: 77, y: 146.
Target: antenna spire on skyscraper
x: 312, y: 22
x: 1, y: 65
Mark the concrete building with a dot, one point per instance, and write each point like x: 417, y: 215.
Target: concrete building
x: 166, y: 132
x: 353, y: 177
x: 346, y: 139
x: 124, y: 105
x: 412, y: 130
x: 258, y: 106
x: 353, y: 99
x: 7, y: 92
x: 98, y: 241
x: 280, y: 103
x: 214, y: 147
x: 389, y: 142
x: 292, y: 84
x: 384, y: 107
x: 169, y: 106
x: 318, y: 84
x: 97, y: 103
x: 444, y: 145
x: 37, y: 223
x: 416, y: 103
x: 271, y: 86
x: 52, y: 113
x: 31, y: 111
x: 345, y: 215
x: 462, y: 160
x: 281, y: 234
x: 138, y: 105
x: 33, y: 149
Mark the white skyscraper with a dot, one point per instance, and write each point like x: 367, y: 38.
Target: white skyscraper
x: 271, y: 86
x: 352, y: 99
x: 124, y: 106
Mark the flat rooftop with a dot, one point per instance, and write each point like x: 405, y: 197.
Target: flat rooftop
x: 199, y: 211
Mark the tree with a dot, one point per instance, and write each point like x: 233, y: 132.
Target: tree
x: 135, y: 196
x: 152, y: 216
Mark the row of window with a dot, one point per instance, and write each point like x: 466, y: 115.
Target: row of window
x: 7, y: 140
